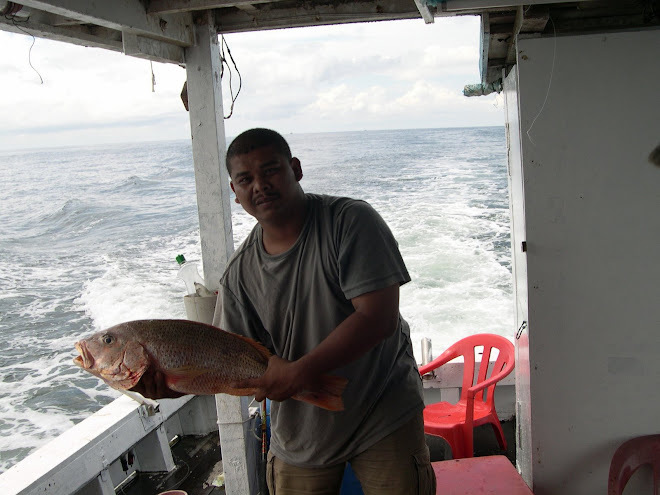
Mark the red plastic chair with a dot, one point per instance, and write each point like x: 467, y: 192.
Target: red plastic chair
x: 629, y: 457
x: 476, y: 406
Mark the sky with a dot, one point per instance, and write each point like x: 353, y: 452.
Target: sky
x: 379, y: 75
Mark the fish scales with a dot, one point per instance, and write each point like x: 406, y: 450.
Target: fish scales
x: 184, y: 345
x: 194, y: 358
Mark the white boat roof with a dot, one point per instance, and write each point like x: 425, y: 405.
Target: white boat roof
x: 160, y: 30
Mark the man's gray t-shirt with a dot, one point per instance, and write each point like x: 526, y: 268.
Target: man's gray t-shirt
x: 290, y: 302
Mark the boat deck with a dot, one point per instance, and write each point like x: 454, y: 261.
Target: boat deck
x: 199, y: 463
x: 485, y: 443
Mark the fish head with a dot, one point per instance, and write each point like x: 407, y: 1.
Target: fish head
x: 113, y: 355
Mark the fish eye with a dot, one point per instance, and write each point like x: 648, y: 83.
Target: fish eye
x: 108, y: 339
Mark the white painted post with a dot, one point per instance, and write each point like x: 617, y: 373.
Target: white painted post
x: 102, y: 485
x: 154, y: 453
x: 203, y: 67
x: 234, y: 424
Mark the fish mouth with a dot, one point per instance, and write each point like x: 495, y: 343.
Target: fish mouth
x: 85, y: 360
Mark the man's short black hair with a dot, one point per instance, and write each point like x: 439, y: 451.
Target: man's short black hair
x: 254, y: 139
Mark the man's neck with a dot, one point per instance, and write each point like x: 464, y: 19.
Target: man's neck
x: 279, y: 237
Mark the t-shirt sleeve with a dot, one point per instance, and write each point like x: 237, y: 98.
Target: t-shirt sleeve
x: 368, y: 254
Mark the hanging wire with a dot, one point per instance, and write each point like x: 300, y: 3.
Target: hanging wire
x: 12, y: 18
x: 153, y: 77
x: 552, y: 71
x: 223, y: 45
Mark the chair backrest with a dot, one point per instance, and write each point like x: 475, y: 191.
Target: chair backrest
x: 629, y: 457
x: 466, y: 347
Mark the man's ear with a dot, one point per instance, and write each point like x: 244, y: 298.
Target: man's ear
x: 297, y: 168
x: 231, y: 184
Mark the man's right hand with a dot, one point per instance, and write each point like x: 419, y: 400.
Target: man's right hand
x: 281, y: 380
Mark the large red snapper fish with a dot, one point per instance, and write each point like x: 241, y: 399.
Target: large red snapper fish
x: 194, y: 358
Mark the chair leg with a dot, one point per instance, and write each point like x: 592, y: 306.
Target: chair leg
x: 458, y: 449
x: 499, y: 434
x: 456, y: 441
x: 463, y: 439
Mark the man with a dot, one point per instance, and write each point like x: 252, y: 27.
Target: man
x: 317, y: 281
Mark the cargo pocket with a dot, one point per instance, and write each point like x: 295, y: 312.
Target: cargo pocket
x: 270, y: 473
x: 426, y: 483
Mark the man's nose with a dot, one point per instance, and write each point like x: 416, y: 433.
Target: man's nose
x: 261, y: 184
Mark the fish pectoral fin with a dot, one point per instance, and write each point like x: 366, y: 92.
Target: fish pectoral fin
x: 152, y: 405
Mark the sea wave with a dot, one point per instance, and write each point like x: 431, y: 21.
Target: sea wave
x: 89, y: 236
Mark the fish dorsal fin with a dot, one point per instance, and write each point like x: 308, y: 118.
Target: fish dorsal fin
x: 257, y: 345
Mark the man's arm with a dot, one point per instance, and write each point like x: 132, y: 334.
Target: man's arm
x: 375, y: 318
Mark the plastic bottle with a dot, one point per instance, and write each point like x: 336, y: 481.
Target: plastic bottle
x: 189, y: 274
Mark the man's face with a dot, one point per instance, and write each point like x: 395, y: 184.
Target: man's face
x: 266, y: 183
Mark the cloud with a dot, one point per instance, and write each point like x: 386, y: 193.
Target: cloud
x: 331, y: 78
x: 423, y: 101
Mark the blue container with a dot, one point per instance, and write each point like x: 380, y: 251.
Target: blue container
x: 350, y: 485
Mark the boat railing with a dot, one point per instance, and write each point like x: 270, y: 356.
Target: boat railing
x: 105, y: 450
x: 444, y: 384
x: 101, y: 452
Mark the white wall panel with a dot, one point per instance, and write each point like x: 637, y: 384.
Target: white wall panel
x: 592, y: 215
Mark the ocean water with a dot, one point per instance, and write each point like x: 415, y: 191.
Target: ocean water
x: 88, y: 238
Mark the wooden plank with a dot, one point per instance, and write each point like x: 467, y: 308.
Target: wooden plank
x: 484, y: 47
x: 481, y: 5
x: 233, y: 426
x: 157, y: 51
x: 535, y: 20
x: 203, y: 68
x: 234, y: 21
x: 511, y: 42
x: 122, y: 15
x: 94, y: 36
x: 527, y: 21
x: 424, y: 10
x: 173, y: 6
x: 154, y: 453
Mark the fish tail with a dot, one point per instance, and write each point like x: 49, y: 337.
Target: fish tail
x: 328, y: 395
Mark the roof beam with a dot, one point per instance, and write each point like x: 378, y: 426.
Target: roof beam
x: 174, y: 6
x: 484, y: 47
x: 482, y: 5
x: 150, y: 49
x: 528, y: 21
x: 517, y: 25
x: 83, y: 35
x: 234, y: 21
x: 122, y: 15
x: 424, y: 10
